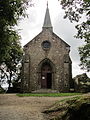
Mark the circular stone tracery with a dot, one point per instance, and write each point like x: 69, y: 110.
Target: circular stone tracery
x: 46, y: 45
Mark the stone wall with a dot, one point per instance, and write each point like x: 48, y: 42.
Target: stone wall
x: 58, y: 54
x: 82, y: 83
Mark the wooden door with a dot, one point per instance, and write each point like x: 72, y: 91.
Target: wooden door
x: 46, y: 76
x: 49, y: 80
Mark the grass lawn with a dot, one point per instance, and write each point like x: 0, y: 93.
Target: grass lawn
x: 48, y: 94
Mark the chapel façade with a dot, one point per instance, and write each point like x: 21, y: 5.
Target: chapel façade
x: 46, y: 63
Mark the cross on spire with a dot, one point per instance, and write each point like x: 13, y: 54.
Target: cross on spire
x: 47, y: 4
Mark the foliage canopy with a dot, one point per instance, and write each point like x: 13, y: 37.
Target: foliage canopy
x: 75, y: 10
x: 11, y: 11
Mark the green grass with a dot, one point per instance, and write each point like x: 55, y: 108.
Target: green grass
x: 48, y: 94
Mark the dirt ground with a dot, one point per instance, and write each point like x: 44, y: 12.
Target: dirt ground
x: 13, y: 107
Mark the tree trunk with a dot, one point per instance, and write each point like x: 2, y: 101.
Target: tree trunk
x: 9, y: 82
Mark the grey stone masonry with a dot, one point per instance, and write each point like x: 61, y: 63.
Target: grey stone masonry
x: 46, y: 63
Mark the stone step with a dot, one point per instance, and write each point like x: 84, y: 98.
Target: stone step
x: 45, y: 91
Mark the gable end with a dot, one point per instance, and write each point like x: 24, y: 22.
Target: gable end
x: 56, y: 36
x: 34, y: 39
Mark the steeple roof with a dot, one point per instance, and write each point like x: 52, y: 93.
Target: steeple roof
x: 47, y: 21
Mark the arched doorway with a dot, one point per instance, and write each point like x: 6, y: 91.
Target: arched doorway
x: 46, y: 75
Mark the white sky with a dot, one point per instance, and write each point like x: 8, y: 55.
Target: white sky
x: 31, y: 26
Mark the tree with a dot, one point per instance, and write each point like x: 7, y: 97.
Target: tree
x: 11, y: 11
x: 13, y: 63
x: 75, y: 10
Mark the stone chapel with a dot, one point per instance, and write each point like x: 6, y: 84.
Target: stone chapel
x: 46, y: 62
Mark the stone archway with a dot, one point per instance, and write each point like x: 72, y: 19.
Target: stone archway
x: 46, y: 70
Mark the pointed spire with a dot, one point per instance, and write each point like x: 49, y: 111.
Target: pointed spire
x: 47, y: 21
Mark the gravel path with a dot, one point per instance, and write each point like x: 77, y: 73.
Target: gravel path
x: 13, y: 107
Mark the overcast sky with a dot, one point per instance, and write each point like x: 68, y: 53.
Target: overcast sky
x: 31, y: 26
